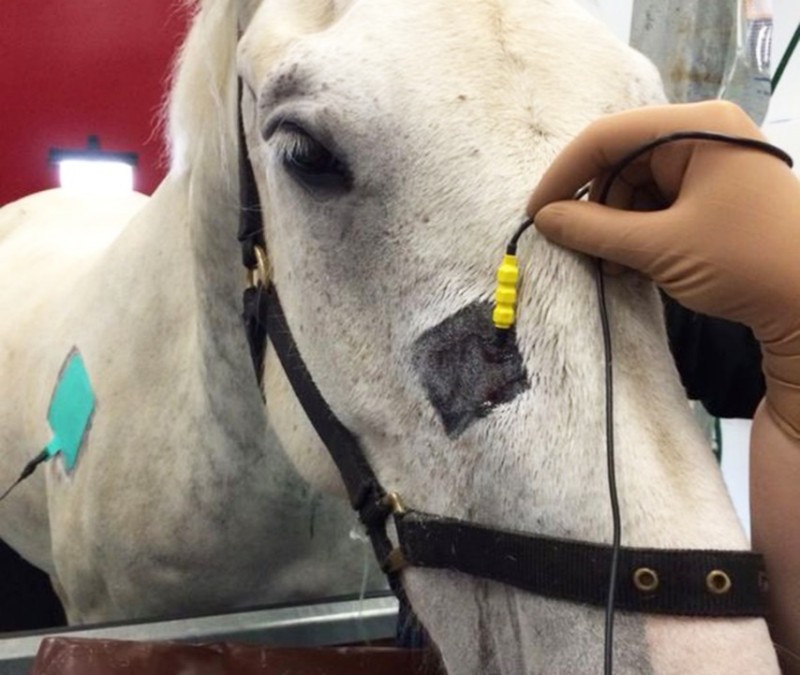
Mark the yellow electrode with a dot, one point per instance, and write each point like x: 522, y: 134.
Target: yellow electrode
x: 505, y: 296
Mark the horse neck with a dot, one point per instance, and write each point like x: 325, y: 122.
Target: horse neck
x: 179, y: 263
x: 220, y: 279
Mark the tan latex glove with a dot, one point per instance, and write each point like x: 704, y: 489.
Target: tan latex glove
x: 724, y: 239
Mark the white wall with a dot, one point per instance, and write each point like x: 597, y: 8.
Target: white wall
x: 616, y: 14
x: 736, y: 466
x: 782, y: 125
x: 785, y: 102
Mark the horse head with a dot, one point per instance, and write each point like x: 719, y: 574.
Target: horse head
x: 394, y: 145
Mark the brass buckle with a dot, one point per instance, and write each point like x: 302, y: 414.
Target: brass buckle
x: 260, y: 274
x: 394, y: 502
x: 395, y: 561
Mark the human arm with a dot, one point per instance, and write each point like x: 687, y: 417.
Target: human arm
x: 775, y: 514
x: 718, y: 228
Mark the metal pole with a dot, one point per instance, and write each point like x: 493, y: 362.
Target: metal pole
x: 707, y: 49
x: 691, y: 42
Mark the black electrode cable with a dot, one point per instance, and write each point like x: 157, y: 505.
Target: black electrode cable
x: 30, y: 467
x: 652, y: 145
x: 511, y: 249
x: 611, y: 469
x: 750, y: 143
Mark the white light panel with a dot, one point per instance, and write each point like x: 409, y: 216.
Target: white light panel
x: 95, y: 175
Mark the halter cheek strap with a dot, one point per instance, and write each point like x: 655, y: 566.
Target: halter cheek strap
x: 251, y: 239
x: 701, y: 583
x: 264, y: 318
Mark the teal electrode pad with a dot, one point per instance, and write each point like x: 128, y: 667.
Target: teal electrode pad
x: 70, y: 409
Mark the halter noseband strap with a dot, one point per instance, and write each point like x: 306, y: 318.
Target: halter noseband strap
x: 701, y: 583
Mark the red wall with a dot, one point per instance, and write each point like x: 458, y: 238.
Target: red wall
x: 70, y: 68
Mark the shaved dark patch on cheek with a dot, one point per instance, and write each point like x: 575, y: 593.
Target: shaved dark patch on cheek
x: 466, y: 372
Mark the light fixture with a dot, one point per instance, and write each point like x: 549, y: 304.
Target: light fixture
x: 93, y: 169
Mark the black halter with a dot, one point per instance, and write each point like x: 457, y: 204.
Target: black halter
x: 700, y: 583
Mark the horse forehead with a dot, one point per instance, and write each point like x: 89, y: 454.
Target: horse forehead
x: 381, y: 43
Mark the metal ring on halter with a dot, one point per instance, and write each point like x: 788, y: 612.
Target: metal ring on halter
x: 261, y: 273
x: 396, y: 560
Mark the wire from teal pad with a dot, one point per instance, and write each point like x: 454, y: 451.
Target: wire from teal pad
x: 70, y: 409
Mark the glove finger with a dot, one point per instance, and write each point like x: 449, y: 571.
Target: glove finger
x: 630, y: 238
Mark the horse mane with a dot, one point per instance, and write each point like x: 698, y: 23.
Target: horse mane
x: 202, y: 102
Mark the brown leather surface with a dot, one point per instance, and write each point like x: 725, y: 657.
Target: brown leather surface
x: 74, y: 656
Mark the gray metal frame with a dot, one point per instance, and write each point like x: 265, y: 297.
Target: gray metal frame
x: 691, y: 42
x: 331, y: 623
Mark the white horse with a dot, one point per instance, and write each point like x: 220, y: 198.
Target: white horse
x: 394, y: 144
x: 182, y: 500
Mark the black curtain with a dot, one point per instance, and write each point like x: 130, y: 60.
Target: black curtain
x: 719, y: 361
x: 27, y: 600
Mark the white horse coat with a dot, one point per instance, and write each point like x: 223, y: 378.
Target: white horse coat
x: 182, y: 500
x: 438, y: 117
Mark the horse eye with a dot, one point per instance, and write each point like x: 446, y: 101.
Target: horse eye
x: 311, y: 164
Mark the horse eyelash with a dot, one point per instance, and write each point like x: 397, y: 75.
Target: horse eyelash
x: 296, y: 144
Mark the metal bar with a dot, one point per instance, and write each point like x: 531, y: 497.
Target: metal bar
x: 691, y: 42
x: 332, y: 623
x: 707, y: 49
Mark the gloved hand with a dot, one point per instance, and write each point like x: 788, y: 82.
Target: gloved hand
x: 724, y: 238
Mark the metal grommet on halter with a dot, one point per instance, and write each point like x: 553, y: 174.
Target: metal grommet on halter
x: 646, y: 580
x: 718, y: 582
